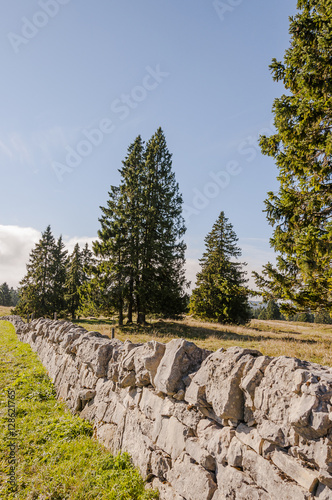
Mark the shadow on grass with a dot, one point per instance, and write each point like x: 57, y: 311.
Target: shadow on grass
x: 176, y: 330
x: 95, y: 321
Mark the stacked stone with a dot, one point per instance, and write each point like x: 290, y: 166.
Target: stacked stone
x: 232, y: 424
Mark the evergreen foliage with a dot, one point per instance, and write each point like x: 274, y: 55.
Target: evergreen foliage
x: 323, y: 317
x: 301, y: 211
x: 109, y: 283
x: 272, y: 310
x: 220, y: 294
x: 8, y: 296
x: 140, y: 254
x: 42, y: 290
x: 74, y: 281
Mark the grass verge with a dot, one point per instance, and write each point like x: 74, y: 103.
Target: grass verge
x: 56, y: 456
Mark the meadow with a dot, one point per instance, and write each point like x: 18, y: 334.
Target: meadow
x: 309, y: 341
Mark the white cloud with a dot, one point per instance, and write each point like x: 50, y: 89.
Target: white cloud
x: 16, y: 244
x: 70, y: 242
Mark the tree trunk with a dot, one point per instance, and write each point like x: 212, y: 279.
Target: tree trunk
x: 121, y: 313
x: 130, y: 302
x: 141, y: 318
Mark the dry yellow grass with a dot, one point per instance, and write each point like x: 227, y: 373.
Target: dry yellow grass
x: 307, y: 341
x: 5, y: 311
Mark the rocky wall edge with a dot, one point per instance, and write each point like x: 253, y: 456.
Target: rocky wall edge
x: 199, y: 425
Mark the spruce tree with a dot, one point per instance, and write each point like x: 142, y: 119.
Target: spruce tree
x: 131, y: 187
x: 42, y: 289
x: 14, y: 296
x: 162, y: 280
x: 220, y: 294
x: 272, y: 310
x: 140, y: 247
x: 36, y: 289
x: 74, y: 281
x: 60, y: 265
x: 109, y: 282
x: 301, y: 212
x: 5, y: 295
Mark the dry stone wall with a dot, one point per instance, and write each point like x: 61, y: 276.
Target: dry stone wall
x: 232, y: 424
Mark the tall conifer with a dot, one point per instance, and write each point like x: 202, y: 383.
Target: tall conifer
x: 301, y: 212
x: 74, y: 281
x: 140, y: 247
x: 39, y: 287
x: 220, y: 293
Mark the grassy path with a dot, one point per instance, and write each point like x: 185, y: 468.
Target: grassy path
x: 49, y: 452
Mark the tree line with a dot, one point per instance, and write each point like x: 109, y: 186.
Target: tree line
x: 8, y: 296
x: 54, y: 278
x: 137, y: 265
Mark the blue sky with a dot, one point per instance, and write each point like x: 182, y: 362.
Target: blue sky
x: 80, y: 80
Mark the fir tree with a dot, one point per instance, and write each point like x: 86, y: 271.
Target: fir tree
x: 162, y: 255
x: 14, y: 294
x: 272, y: 310
x: 60, y: 264
x: 5, y: 295
x: 74, y: 281
x: 220, y: 294
x: 131, y: 188
x: 109, y: 282
x: 140, y: 251
x: 301, y: 212
x: 42, y: 289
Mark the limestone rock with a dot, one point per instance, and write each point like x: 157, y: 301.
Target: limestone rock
x: 235, y: 485
x: 250, y: 437
x: 166, y: 491
x: 95, y: 351
x: 181, y: 357
x: 323, y: 492
x: 219, y: 444
x: 147, y: 359
x: 235, y: 453
x: 217, y: 382
x: 317, y: 452
x: 136, y: 443
x: 191, y: 480
x: 200, y: 454
x: 172, y: 436
x: 295, y: 395
x: 307, y: 478
x: 161, y: 463
x: 269, y: 478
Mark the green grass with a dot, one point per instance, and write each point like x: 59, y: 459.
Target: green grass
x: 57, y: 457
